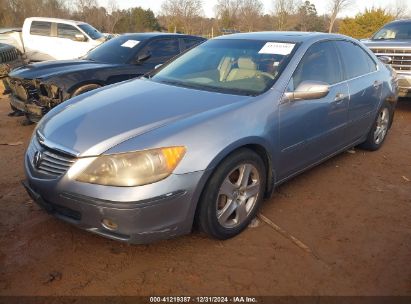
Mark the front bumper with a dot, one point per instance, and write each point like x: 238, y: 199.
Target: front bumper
x: 404, y: 83
x: 34, y: 112
x: 157, y: 211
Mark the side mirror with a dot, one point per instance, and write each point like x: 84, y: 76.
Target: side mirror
x: 143, y: 57
x: 309, y: 90
x: 80, y: 38
x: 385, y: 59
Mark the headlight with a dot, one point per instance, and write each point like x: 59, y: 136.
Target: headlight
x: 129, y: 169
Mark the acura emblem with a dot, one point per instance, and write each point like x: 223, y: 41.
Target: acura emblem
x: 37, y: 159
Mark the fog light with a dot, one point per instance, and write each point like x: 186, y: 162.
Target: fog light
x: 109, y: 224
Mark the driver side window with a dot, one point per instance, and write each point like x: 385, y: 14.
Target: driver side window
x: 319, y: 63
x: 162, y: 50
x: 67, y: 31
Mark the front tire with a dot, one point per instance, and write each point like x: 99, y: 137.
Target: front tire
x: 232, y: 195
x: 379, y: 130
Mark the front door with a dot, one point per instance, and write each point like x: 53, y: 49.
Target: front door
x: 67, y: 44
x: 310, y: 130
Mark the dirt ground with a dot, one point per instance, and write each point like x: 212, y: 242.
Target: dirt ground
x: 354, y: 211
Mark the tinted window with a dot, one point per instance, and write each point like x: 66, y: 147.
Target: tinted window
x: 320, y: 63
x: 164, y: 48
x: 189, y: 43
x: 91, y: 31
x: 67, y: 31
x: 40, y: 28
x: 117, y: 50
x: 355, y: 60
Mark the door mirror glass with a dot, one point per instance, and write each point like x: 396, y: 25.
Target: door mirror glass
x: 80, y: 38
x: 309, y: 90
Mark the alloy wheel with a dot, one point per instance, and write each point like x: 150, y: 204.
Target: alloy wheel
x: 237, y: 195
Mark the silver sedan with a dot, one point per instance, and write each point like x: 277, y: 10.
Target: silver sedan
x: 206, y: 137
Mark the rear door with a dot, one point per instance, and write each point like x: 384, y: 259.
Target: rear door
x: 38, y: 41
x: 365, y: 87
x: 310, y: 130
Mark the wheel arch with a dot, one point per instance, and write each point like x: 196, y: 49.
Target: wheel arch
x: 258, y: 146
x: 78, y: 85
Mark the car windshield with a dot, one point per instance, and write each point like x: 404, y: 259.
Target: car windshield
x: 395, y: 31
x: 242, y: 67
x: 117, y: 50
x: 91, y: 31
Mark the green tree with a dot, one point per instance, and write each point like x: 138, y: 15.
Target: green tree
x: 309, y: 19
x: 137, y: 20
x: 363, y: 25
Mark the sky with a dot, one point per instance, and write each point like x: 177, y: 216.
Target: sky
x: 321, y: 5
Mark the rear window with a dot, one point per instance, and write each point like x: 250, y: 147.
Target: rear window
x: 40, y: 28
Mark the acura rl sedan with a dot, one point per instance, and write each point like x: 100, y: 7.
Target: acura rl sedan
x: 205, y: 138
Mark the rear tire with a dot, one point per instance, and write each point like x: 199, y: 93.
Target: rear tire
x: 232, y: 195
x: 379, y: 130
x: 85, y: 88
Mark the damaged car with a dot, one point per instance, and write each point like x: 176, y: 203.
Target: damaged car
x: 38, y: 87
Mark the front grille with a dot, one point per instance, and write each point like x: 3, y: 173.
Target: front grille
x: 23, y: 89
x: 9, y: 55
x: 401, y: 58
x: 51, y: 162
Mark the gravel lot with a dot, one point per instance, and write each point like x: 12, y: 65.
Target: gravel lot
x: 354, y: 212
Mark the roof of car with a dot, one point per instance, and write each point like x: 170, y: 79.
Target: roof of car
x: 281, y: 36
x: 144, y: 36
x: 55, y: 20
x: 401, y: 21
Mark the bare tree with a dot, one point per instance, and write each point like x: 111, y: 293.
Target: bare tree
x: 182, y: 13
x: 114, y: 15
x: 336, y: 7
x: 399, y: 10
x: 282, y: 10
x: 250, y: 13
x: 226, y: 12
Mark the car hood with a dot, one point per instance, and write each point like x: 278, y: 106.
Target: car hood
x: 54, y: 68
x: 377, y: 44
x: 93, y: 123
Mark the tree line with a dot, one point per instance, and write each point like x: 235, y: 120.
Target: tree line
x: 187, y: 16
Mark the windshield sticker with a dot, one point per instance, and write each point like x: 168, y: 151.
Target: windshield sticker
x: 130, y: 43
x: 277, y: 48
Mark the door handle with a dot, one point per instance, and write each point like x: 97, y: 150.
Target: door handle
x: 339, y: 97
x: 377, y: 84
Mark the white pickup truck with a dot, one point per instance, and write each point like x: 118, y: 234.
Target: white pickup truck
x: 53, y: 39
